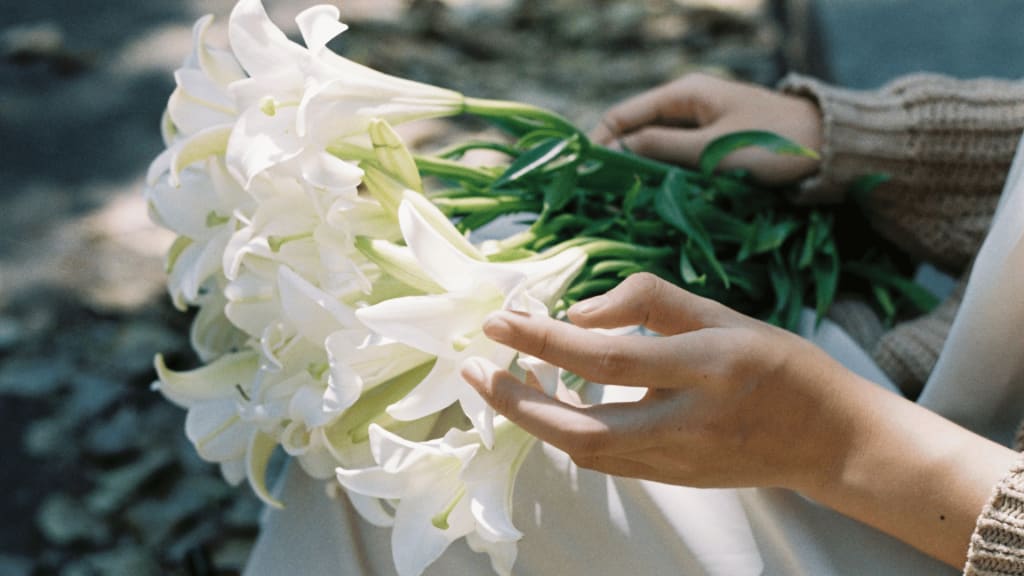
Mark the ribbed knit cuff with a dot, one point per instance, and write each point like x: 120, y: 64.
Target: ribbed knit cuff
x: 997, y: 545
x: 859, y: 130
x: 946, y: 145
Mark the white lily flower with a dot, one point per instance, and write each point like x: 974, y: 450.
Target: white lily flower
x: 445, y: 489
x: 200, y: 211
x: 449, y: 325
x: 298, y: 100
x: 201, y: 98
x: 211, y: 395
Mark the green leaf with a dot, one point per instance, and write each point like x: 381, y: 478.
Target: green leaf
x: 722, y: 146
x: 826, y: 279
x: 671, y: 206
x: 884, y: 299
x: 688, y: 272
x: 532, y: 160
x: 863, y: 187
x: 629, y: 202
x: 560, y: 190
x: 919, y: 297
x: 721, y: 226
x: 778, y: 276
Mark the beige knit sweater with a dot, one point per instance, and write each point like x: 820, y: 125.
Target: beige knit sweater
x: 947, y: 145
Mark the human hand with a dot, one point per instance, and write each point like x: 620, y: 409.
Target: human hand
x: 674, y: 122
x: 731, y: 401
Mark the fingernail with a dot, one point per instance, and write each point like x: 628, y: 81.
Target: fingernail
x: 473, y: 372
x: 588, y: 306
x: 497, y: 327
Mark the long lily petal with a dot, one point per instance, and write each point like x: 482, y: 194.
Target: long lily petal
x: 257, y: 457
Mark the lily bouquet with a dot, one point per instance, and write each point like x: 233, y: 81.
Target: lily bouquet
x: 339, y: 287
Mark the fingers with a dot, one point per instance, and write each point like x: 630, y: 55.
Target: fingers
x: 671, y: 362
x: 667, y: 144
x: 646, y: 300
x: 575, y: 430
x: 682, y: 102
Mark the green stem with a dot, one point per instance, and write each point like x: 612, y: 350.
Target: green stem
x: 516, y: 241
x: 517, y: 110
x: 614, y: 157
x: 479, y: 204
x: 431, y: 166
x: 457, y: 151
x: 600, y: 248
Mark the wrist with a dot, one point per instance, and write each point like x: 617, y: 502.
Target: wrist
x: 912, y: 474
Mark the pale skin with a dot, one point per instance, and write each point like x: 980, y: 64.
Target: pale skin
x: 732, y: 401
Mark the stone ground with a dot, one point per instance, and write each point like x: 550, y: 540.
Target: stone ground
x: 97, y: 477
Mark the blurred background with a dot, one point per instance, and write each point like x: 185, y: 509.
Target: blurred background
x: 96, y: 475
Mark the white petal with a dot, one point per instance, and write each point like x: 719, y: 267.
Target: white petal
x: 196, y: 264
x: 307, y: 406
x: 257, y: 457
x: 415, y: 541
x: 503, y: 554
x: 372, y: 482
x: 378, y: 360
x: 438, y: 390
x: 319, y: 25
x: 432, y: 323
x: 318, y: 463
x: 217, y: 431
x: 327, y: 171
x: 159, y: 166
x: 445, y: 254
x: 208, y: 142
x: 396, y: 454
x: 259, y: 45
x: 344, y: 386
x: 545, y: 373
x: 259, y: 141
x: 186, y: 209
x: 477, y: 410
x: 314, y: 313
x: 204, y: 91
x: 210, y: 382
x: 219, y: 65
x: 190, y: 115
x: 233, y: 471
x: 371, y: 509
x: 211, y: 334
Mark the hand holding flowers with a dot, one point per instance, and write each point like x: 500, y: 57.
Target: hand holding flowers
x: 734, y: 402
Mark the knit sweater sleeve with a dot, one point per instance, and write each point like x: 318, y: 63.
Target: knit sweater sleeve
x: 945, y: 144
x: 997, y: 545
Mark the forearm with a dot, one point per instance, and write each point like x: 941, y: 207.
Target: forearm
x: 912, y: 474
x: 946, y: 145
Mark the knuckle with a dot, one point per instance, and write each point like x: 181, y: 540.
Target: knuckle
x: 642, y: 283
x: 613, y: 121
x: 742, y: 352
x: 502, y: 399
x: 646, y: 291
x: 612, y: 363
